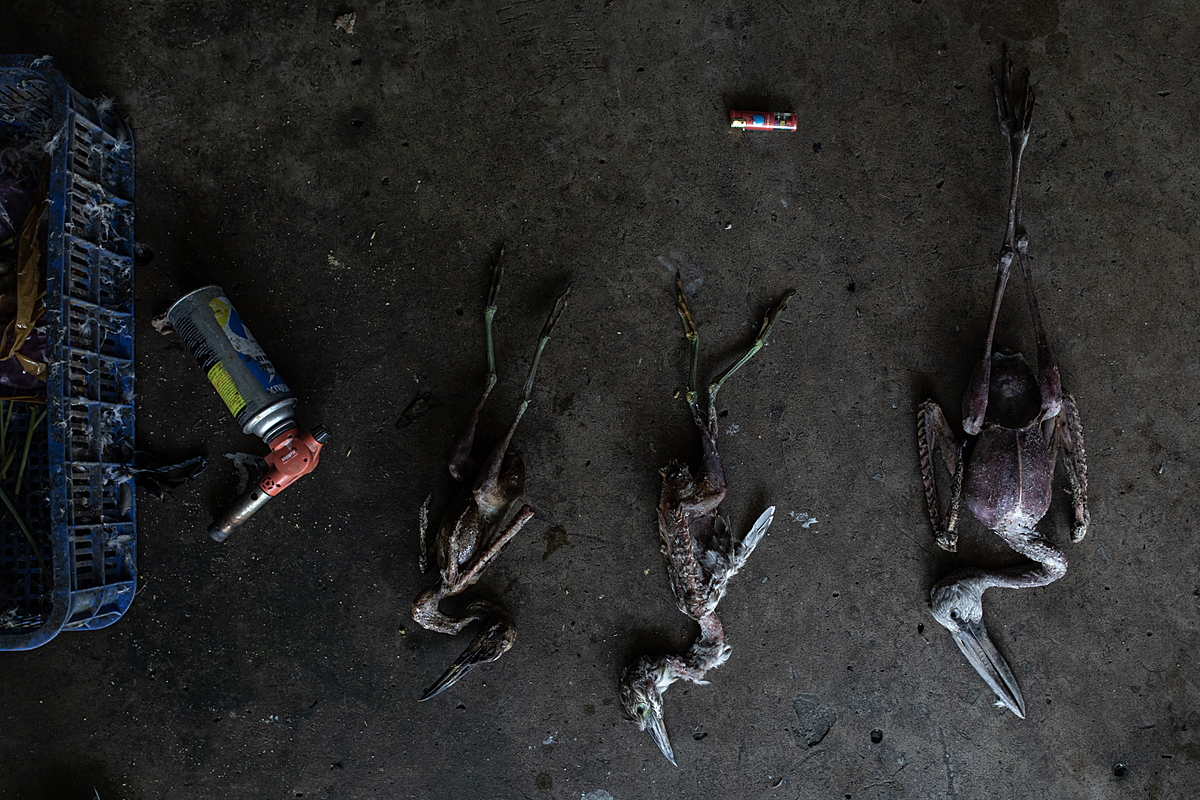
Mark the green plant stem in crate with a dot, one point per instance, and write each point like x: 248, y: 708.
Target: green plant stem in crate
x: 5, y: 422
x: 34, y: 421
x: 28, y: 536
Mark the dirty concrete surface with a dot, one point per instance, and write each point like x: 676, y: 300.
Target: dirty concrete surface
x: 348, y: 191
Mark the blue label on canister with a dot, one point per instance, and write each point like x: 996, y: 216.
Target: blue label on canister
x: 247, y: 347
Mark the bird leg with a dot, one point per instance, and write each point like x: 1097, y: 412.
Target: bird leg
x: 1015, y: 110
x: 483, y: 560
x: 974, y: 406
x: 693, y: 336
x: 707, y: 494
x: 764, y: 330
x: 488, y: 491
x: 1049, y: 381
x: 462, y: 466
x: 1068, y: 440
x: 712, y: 459
x: 1015, y: 114
x: 934, y: 432
x: 714, y: 479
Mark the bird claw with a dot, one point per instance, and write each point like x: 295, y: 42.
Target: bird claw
x: 1014, y: 103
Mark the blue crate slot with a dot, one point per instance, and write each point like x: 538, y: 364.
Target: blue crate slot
x: 77, y: 495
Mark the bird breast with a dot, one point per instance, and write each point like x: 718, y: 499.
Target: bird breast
x: 1008, y: 478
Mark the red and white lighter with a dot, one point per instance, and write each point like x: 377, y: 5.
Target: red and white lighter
x: 763, y: 120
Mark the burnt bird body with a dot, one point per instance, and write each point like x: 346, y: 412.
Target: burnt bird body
x: 701, y: 555
x: 1022, y: 422
x: 472, y: 532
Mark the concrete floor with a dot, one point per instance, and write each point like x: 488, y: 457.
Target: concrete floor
x: 348, y: 192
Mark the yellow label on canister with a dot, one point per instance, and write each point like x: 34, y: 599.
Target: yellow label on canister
x: 220, y: 308
x: 219, y: 377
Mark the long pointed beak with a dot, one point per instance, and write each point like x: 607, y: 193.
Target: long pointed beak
x: 458, y: 669
x: 972, y: 639
x: 492, y: 642
x: 658, y: 732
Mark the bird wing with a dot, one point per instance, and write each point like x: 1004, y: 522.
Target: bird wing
x: 717, y: 553
x: 725, y: 566
x: 757, y: 531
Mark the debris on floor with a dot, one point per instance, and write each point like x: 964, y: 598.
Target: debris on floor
x: 158, y: 477
x: 421, y: 405
x: 814, y: 720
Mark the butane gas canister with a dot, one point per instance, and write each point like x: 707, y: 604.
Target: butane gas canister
x: 253, y: 392
x: 234, y: 362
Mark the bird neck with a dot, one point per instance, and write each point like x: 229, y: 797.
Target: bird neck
x: 428, y: 615
x: 1050, y: 562
x: 711, y: 630
x: 1050, y: 565
x: 708, y: 652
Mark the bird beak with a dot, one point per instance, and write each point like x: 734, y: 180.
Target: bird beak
x: 658, y: 732
x: 492, y: 642
x: 972, y: 639
x: 459, y: 668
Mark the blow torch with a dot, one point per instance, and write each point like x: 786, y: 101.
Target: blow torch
x: 253, y: 392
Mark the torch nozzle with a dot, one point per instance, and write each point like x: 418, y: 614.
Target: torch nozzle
x: 238, y: 513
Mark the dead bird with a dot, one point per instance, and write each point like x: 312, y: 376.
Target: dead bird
x: 1021, y: 424
x: 472, y: 531
x: 700, y: 553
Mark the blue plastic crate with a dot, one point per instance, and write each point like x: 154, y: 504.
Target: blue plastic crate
x: 77, y: 498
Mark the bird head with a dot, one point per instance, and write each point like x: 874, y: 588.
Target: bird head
x: 955, y: 605
x: 494, y: 639
x: 642, y: 687
x: 958, y: 606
